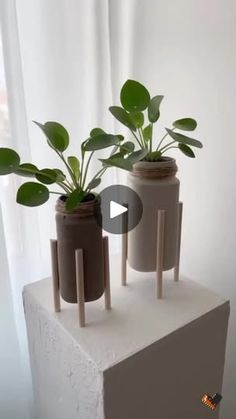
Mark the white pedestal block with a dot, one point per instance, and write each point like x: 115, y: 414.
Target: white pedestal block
x: 145, y: 359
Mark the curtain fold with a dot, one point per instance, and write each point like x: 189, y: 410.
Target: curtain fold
x: 64, y: 61
x: 58, y: 67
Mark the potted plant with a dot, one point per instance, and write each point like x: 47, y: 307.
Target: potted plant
x: 78, y: 206
x: 153, y: 177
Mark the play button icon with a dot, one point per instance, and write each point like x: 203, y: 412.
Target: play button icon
x: 116, y: 209
x: 121, y: 209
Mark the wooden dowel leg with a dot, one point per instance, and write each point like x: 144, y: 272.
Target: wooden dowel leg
x: 124, y: 250
x: 79, y: 264
x: 124, y: 260
x: 160, y: 251
x: 176, y: 268
x: 107, y: 290
x: 55, y: 276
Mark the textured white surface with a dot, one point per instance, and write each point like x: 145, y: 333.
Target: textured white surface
x: 81, y: 373
x: 136, y: 320
x: 67, y: 384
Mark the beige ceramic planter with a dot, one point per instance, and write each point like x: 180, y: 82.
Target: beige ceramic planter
x: 158, y: 188
x: 80, y: 230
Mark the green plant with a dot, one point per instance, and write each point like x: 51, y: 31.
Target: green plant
x: 75, y: 185
x: 135, y: 99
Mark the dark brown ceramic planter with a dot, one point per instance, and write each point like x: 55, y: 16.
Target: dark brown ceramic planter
x: 80, y: 230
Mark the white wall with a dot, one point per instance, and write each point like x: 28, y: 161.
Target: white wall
x: 185, y: 50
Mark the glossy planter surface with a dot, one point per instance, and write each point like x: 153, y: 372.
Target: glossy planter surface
x: 158, y: 188
x: 80, y: 230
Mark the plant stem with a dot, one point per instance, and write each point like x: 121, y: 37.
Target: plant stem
x: 99, y: 173
x: 158, y: 147
x: 150, y: 142
x: 103, y: 169
x: 66, y: 188
x: 169, y: 149
x: 162, y: 139
x: 68, y: 185
x: 141, y: 137
x: 82, y: 166
x: 83, y: 180
x: 68, y: 168
x: 140, y: 144
x: 167, y: 145
x: 57, y: 193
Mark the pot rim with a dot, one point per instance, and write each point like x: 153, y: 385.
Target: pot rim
x: 158, y: 169
x: 84, y: 209
x: 164, y: 162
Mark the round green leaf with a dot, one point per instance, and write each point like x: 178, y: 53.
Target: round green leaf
x: 57, y: 135
x: 9, y: 161
x: 137, y: 118
x: 60, y: 175
x: 186, y: 150
x: 74, y: 199
x: 47, y: 176
x: 154, y: 108
x: 122, y: 116
x: 180, y: 138
x: 185, y: 124
x: 82, y: 147
x: 101, y: 141
x: 32, y: 194
x: 137, y: 155
x: 119, y: 162
x: 26, y: 170
x: 94, y: 183
x: 96, y: 131
x: 121, y: 154
x: 134, y: 96
x: 147, y: 132
x: 74, y: 165
x: 127, y: 147
x: 121, y: 137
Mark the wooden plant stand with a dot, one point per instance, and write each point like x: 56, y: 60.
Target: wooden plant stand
x: 79, y: 279
x: 161, y: 216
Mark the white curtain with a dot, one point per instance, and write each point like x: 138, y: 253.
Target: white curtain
x: 66, y: 60
x: 62, y: 61
x: 59, y: 66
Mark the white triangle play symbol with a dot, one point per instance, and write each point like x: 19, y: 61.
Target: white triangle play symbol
x: 116, y: 209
